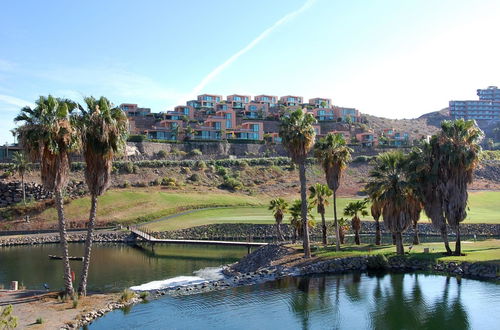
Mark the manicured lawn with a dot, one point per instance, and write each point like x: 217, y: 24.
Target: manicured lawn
x: 254, y: 214
x: 483, y: 209
x: 134, y: 205
x: 487, y: 250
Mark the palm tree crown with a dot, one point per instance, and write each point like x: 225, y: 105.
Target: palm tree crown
x: 319, y: 194
x: 279, y: 207
x: 333, y: 154
x: 48, y: 135
x: 297, y: 134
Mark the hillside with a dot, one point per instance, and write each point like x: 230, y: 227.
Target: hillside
x: 426, y: 124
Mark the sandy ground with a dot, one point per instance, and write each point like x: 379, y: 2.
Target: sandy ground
x: 31, y: 305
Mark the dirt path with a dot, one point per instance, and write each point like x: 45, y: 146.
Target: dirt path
x: 31, y: 305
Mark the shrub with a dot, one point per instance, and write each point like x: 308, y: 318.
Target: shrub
x: 169, y: 182
x: 161, y: 154
x: 75, y: 301
x: 362, y: 159
x: 200, y: 165
x: 136, y: 138
x: 195, y: 177
x: 156, y: 182
x: 243, y: 164
x: 7, y: 320
x: 144, y: 295
x: 128, y: 167
x: 39, y: 320
x: 127, y: 295
x: 135, y: 169
x: 6, y: 174
x: 185, y: 170
x: 292, y: 167
x: 231, y: 184
x: 195, y: 152
x: 126, y: 184
x: 377, y: 262
x: 221, y: 170
x: 141, y: 184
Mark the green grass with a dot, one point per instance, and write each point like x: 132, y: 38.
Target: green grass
x: 487, y: 250
x: 483, y: 209
x: 136, y: 205
x: 253, y: 215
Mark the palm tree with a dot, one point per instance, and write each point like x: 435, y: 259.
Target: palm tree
x: 389, y: 184
x: 297, y: 134
x: 333, y: 154
x: 295, y: 210
x: 459, y: 151
x: 422, y: 168
x: 104, y: 134
x: 376, y: 212
x: 20, y: 165
x: 279, y: 207
x: 48, y: 135
x: 354, y: 209
x: 319, y: 198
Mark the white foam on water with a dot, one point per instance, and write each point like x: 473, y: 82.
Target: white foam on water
x: 202, y: 276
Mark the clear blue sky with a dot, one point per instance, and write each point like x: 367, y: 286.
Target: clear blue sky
x: 386, y: 57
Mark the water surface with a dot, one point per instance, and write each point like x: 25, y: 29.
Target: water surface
x: 351, y: 301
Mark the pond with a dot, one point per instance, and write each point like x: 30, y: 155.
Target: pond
x: 113, y: 266
x: 351, y: 301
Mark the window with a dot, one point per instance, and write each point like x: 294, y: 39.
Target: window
x: 228, y: 124
x: 255, y: 128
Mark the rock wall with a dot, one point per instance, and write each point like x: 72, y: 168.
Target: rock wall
x: 11, y: 192
x: 255, y: 231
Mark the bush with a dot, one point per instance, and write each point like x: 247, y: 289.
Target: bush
x: 75, y: 301
x: 144, y: 295
x: 156, y: 182
x: 161, y: 154
x: 141, y: 184
x: 169, y: 182
x: 126, y: 184
x: 127, y: 295
x: 128, y: 167
x: 195, y: 177
x: 362, y: 159
x: 185, y: 170
x: 6, y: 174
x: 39, y: 320
x: 200, y: 165
x: 377, y: 262
x: 195, y: 152
x: 7, y: 320
x: 136, y: 138
x: 243, y: 164
x: 231, y: 184
x: 221, y: 170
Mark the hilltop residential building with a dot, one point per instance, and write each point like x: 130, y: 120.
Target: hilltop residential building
x: 256, y: 110
x: 270, y: 100
x: 237, y: 102
x: 185, y: 110
x: 208, y: 100
x: 395, y: 138
x: 139, y: 119
x: 367, y: 139
x: 486, y: 108
x: 322, y: 114
x: 249, y: 131
x: 320, y: 102
x: 342, y: 114
x: 291, y: 101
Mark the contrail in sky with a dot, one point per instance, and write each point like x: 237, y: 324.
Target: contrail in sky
x: 215, y: 72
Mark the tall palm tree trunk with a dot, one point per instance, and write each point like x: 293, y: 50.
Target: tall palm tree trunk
x: 356, y: 237
x: 323, y: 222
x: 303, y: 197
x: 458, y: 245
x: 416, y: 239
x: 378, y: 237
x: 399, y: 243
x: 68, y: 281
x: 82, y: 289
x: 278, y: 230
x: 336, y: 222
x: 23, y: 188
x: 444, y: 236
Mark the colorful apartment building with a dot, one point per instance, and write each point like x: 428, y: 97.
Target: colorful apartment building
x: 248, y: 131
x: 291, y: 101
x: 237, y: 101
x: 206, y: 101
x: 319, y: 102
x: 342, y: 114
x: 256, y: 110
x: 367, y: 139
x: 270, y: 100
x: 185, y: 110
x: 323, y: 114
x: 394, y: 138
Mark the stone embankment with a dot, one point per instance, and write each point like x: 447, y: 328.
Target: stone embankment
x: 256, y: 231
x: 12, y: 193
x: 108, y: 236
